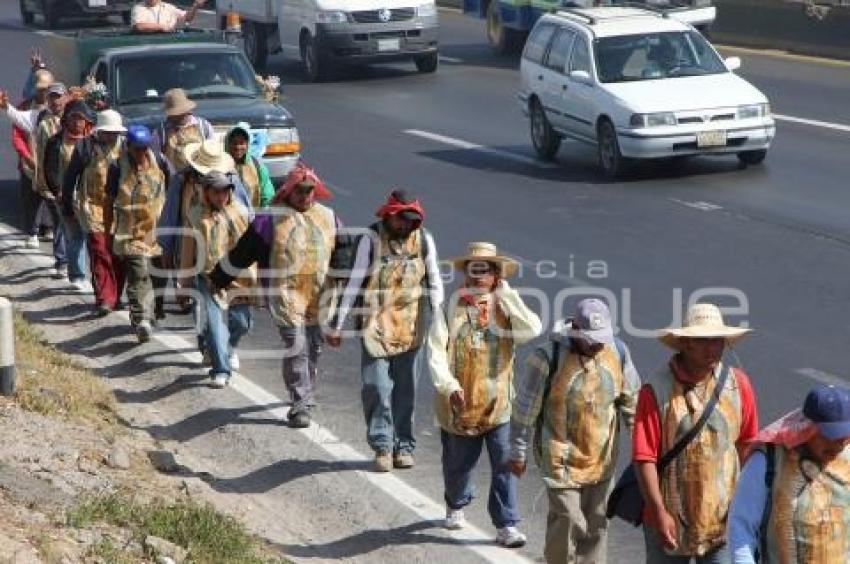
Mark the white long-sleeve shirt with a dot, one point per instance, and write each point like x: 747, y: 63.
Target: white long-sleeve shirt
x: 362, y: 264
x: 25, y: 120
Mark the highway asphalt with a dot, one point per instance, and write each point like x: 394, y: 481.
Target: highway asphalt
x: 774, y: 239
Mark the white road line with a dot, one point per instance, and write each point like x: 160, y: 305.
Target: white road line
x: 822, y: 377
x: 471, y: 537
x: 699, y: 205
x: 461, y: 144
x: 813, y: 122
x: 453, y: 60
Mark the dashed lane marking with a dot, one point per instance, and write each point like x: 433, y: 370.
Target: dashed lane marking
x: 467, y: 145
x: 453, y: 60
x: 822, y: 377
x: 420, y: 504
x: 813, y: 122
x: 699, y: 205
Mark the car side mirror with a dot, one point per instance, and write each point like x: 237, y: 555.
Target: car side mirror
x: 733, y: 63
x: 580, y: 76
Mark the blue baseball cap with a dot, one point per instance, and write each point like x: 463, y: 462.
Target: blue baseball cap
x: 592, y: 322
x: 828, y: 407
x: 139, y: 136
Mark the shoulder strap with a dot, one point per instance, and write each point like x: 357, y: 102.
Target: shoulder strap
x: 685, y: 440
x: 554, y: 359
x: 769, y: 475
x: 621, y: 350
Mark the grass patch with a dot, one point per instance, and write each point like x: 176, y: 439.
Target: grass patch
x: 107, y: 551
x: 51, y: 383
x: 208, y: 535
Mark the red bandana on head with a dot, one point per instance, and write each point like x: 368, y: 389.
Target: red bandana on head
x: 393, y: 206
x: 301, y: 173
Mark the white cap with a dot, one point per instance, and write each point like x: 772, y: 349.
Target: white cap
x: 109, y: 121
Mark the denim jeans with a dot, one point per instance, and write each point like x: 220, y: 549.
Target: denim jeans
x: 389, y: 396
x: 460, y: 455
x: 655, y: 552
x: 302, y: 347
x: 219, y: 334
x: 75, y: 246
x: 60, y: 254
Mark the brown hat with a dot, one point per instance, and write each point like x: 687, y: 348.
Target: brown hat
x: 486, y: 252
x: 176, y: 103
x: 43, y: 79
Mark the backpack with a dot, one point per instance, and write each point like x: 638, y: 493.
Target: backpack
x: 554, y: 359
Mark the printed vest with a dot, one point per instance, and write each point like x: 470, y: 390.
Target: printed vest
x: 251, y: 180
x: 47, y: 128
x: 299, y: 262
x: 810, y: 513
x: 579, y: 435
x: 176, y: 139
x: 482, y: 361
x: 91, y: 198
x: 191, y: 197
x: 141, y: 196
x: 394, y: 300
x: 697, y: 487
x: 66, y: 152
x: 217, y: 233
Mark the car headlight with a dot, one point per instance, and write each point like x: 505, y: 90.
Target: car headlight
x: 653, y: 120
x: 331, y: 17
x: 753, y: 111
x: 426, y: 10
x: 282, y: 141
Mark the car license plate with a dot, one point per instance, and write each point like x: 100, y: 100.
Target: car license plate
x: 385, y: 45
x: 711, y: 139
x: 97, y: 3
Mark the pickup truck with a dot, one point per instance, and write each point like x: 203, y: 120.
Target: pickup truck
x: 52, y: 10
x: 138, y: 69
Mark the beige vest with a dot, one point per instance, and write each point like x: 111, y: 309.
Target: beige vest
x: 49, y: 126
x: 141, y: 196
x: 90, y: 203
x: 176, y: 139
x: 251, y: 180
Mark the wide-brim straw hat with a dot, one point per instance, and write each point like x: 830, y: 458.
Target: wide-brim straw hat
x: 109, y: 121
x: 705, y: 321
x: 208, y: 156
x: 175, y: 102
x: 486, y: 252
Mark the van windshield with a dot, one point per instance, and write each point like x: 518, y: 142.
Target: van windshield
x: 654, y: 56
x: 201, y: 75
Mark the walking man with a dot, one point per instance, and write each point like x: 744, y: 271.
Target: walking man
x: 575, y: 395
x: 471, y: 356
x: 687, y: 504
x: 252, y: 172
x: 85, y: 196
x: 396, y: 278
x: 792, y: 503
x: 137, y: 185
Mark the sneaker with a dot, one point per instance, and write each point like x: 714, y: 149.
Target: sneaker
x: 219, y: 381
x: 31, y: 242
x: 60, y: 272
x: 454, y: 519
x: 234, y: 361
x: 383, y: 462
x: 47, y: 237
x: 403, y: 460
x: 299, y: 420
x: 81, y: 285
x: 510, y: 537
x: 144, y: 331
x: 205, y: 358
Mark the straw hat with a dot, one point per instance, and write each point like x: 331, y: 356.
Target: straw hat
x: 486, y: 252
x: 208, y: 156
x: 704, y: 322
x: 43, y: 79
x: 176, y: 103
x: 109, y: 121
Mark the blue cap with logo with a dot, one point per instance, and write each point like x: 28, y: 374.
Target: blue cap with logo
x: 139, y: 136
x: 592, y: 322
x: 828, y: 407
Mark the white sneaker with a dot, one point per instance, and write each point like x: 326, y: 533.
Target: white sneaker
x: 454, y: 519
x: 234, y: 361
x: 510, y: 537
x: 32, y: 242
x: 219, y: 381
x: 144, y: 331
x: 81, y: 286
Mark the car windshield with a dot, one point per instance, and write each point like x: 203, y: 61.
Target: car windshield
x: 655, y: 56
x: 201, y: 75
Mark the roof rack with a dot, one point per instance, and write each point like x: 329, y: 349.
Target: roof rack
x: 575, y: 12
x: 650, y: 7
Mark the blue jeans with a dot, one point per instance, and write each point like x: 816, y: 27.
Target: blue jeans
x: 389, y: 396
x: 75, y: 245
x: 460, y: 455
x: 655, y: 552
x: 216, y: 335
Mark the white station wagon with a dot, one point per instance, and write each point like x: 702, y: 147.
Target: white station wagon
x: 637, y: 84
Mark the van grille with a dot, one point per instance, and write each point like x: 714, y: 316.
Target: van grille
x: 372, y: 16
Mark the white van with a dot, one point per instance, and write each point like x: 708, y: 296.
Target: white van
x: 324, y: 33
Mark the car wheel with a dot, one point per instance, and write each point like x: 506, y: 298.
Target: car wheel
x: 752, y: 157
x: 503, y: 40
x: 427, y: 63
x: 255, y: 41
x: 611, y: 160
x: 51, y: 18
x: 311, y: 61
x: 546, y: 142
x: 26, y: 16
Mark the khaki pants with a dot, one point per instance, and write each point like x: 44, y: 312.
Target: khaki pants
x: 576, y: 526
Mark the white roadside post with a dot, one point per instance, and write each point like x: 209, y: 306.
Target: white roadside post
x: 7, y: 348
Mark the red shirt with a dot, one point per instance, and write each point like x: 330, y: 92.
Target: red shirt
x: 646, y: 439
